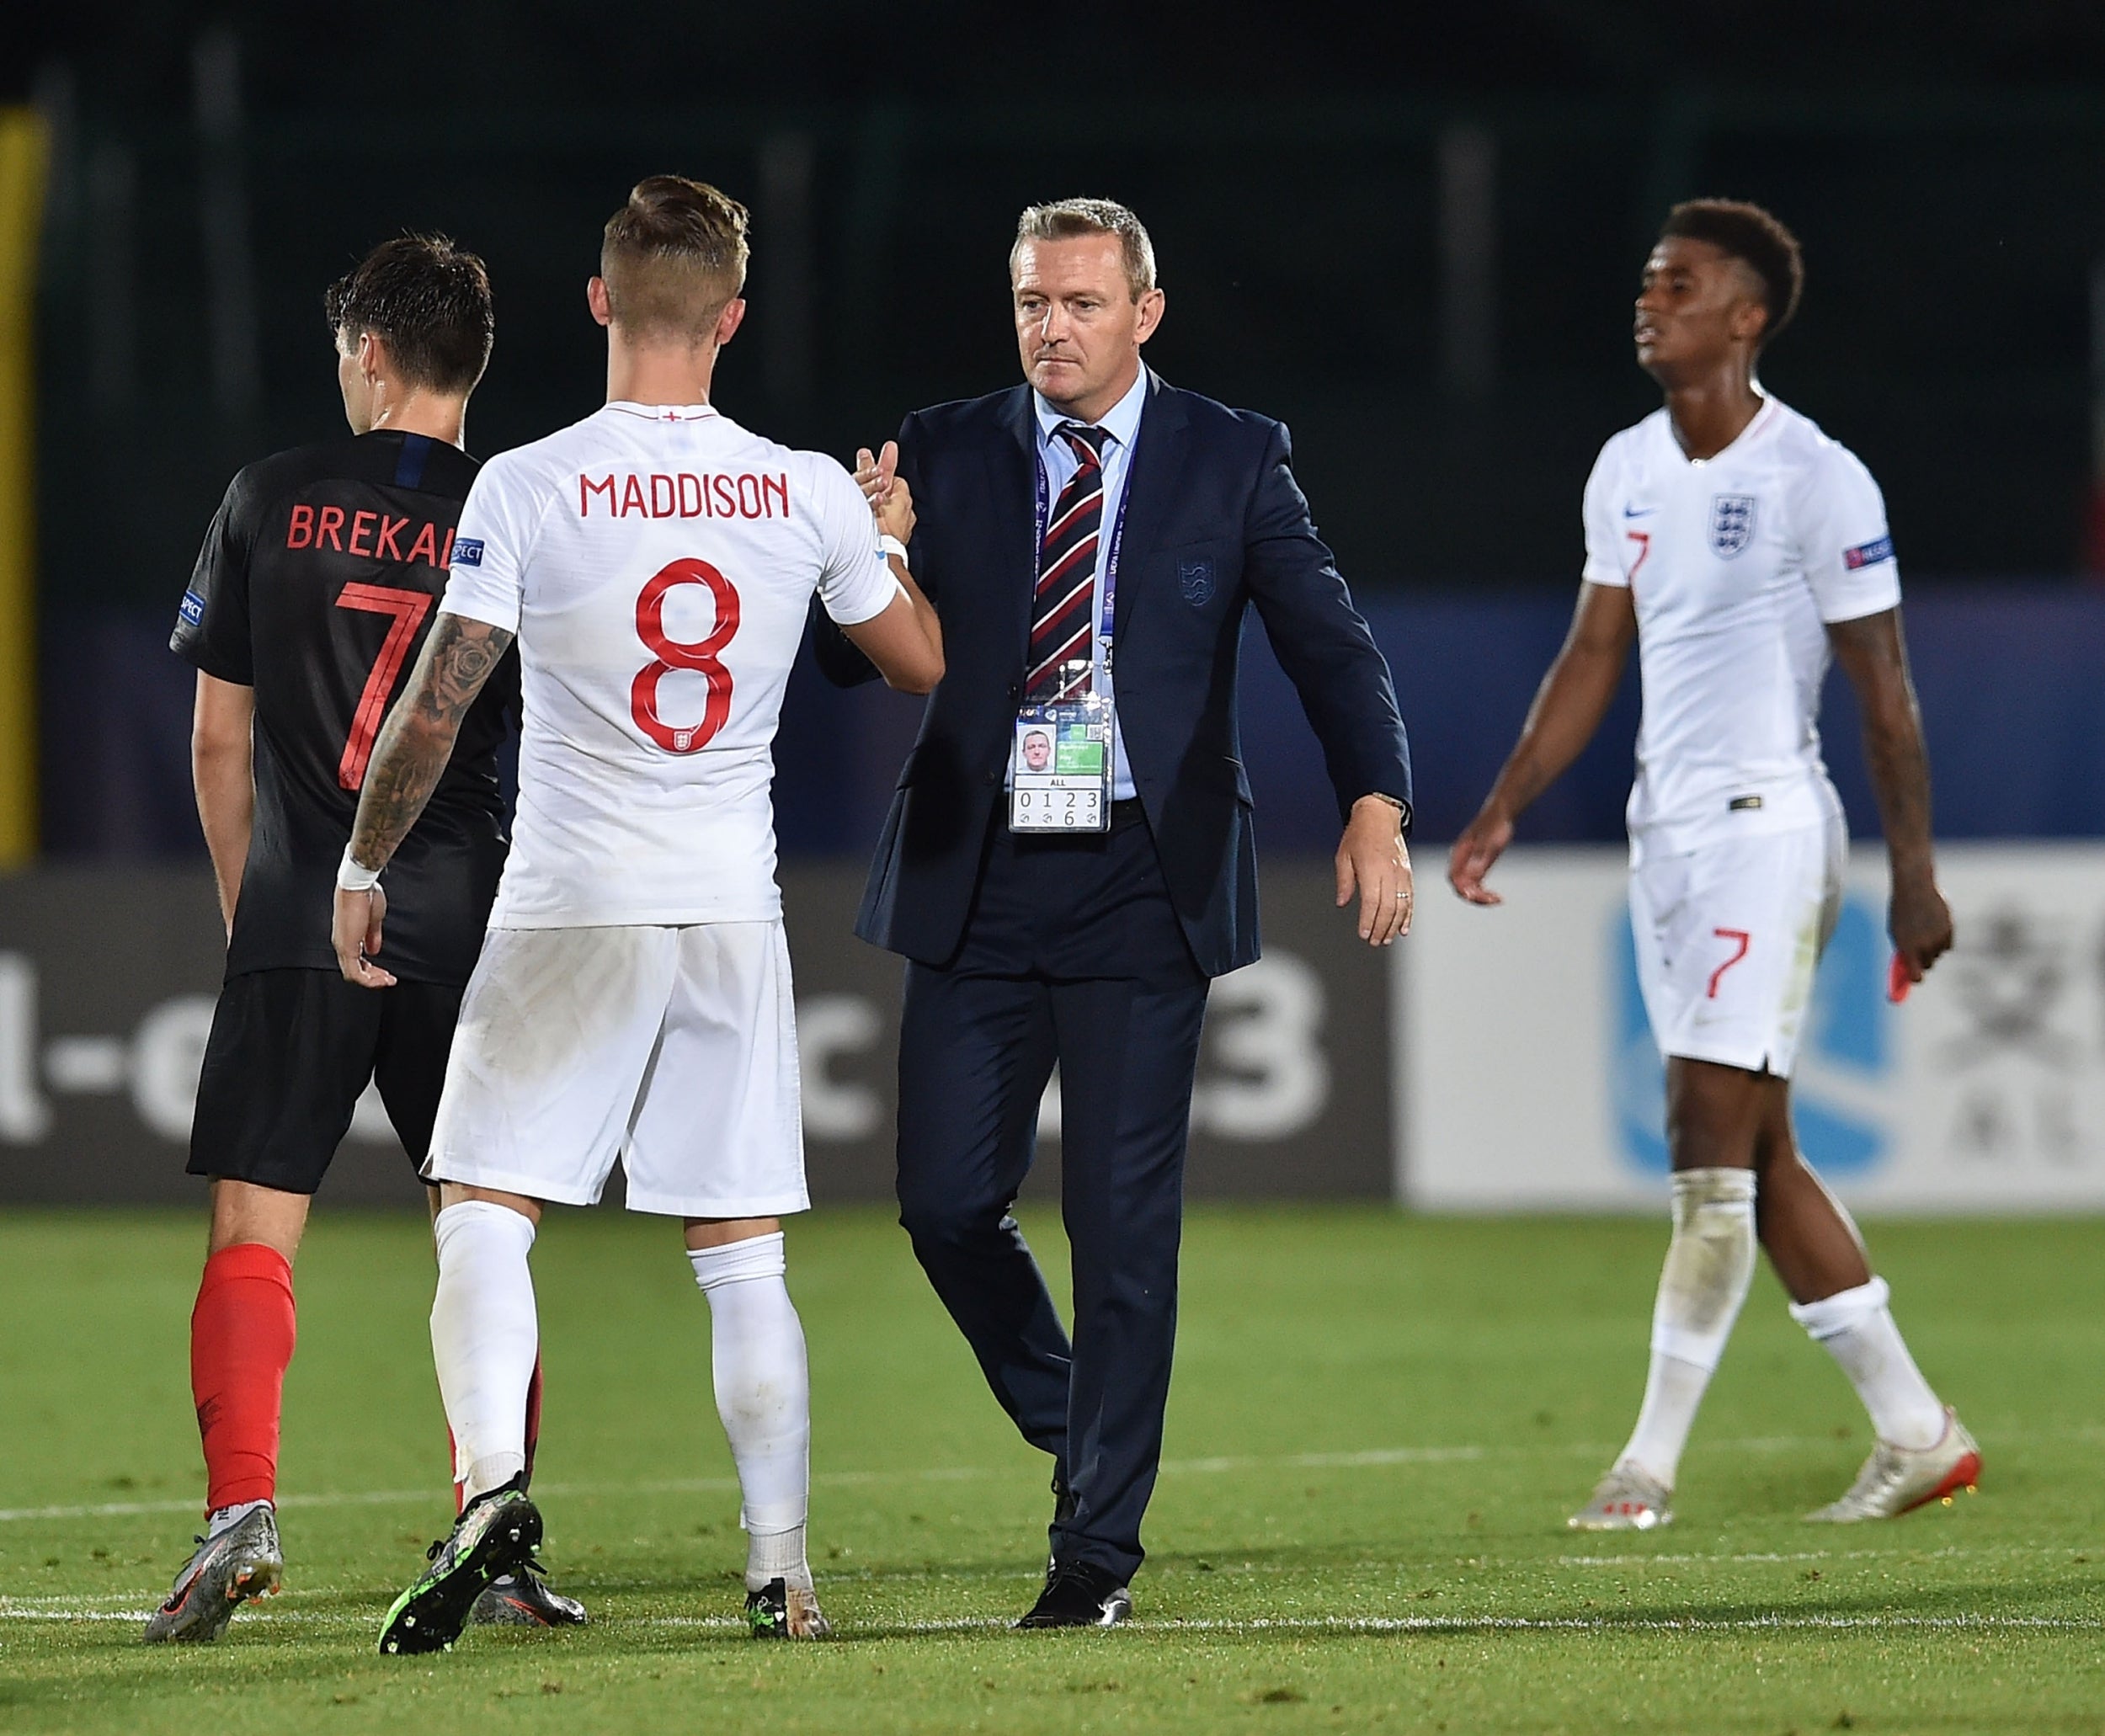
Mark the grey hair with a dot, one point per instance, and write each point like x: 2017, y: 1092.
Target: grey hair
x: 1065, y: 219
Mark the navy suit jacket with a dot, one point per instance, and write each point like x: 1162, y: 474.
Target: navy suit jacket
x: 1215, y: 523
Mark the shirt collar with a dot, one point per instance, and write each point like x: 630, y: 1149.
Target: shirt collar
x: 1122, y: 422
x: 663, y: 412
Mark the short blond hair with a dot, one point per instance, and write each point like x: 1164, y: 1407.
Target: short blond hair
x: 673, y: 258
x: 1065, y: 219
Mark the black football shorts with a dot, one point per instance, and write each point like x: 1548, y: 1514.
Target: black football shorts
x: 291, y: 1052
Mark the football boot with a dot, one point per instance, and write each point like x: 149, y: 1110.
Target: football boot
x: 1898, y: 1479
x: 496, y: 1535
x: 243, y: 1561
x: 781, y: 1610
x: 1629, y: 1498
x: 524, y: 1599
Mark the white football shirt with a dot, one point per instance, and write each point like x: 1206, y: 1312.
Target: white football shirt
x: 656, y: 563
x: 1735, y: 565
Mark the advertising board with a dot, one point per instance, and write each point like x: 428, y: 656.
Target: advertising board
x: 1529, y: 1080
x: 108, y: 979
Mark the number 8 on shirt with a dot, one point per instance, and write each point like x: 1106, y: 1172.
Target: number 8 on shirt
x: 633, y: 1002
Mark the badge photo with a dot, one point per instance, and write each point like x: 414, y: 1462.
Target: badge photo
x: 1060, y: 768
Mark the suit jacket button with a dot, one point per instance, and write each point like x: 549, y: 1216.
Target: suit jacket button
x: 1012, y: 690
x: 993, y: 778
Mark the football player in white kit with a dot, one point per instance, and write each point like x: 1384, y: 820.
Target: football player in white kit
x: 1740, y: 546
x: 655, y: 562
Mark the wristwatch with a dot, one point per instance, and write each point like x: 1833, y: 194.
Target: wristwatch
x: 1397, y: 803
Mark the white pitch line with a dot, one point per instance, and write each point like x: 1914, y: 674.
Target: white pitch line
x: 1608, y: 1624
x: 80, y: 1606
x: 1368, y: 1458
x: 12, y: 1610
x: 1457, y: 1624
x: 1764, y: 1556
x: 126, y: 1510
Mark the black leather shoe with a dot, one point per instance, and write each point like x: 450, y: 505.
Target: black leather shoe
x: 1081, y: 1595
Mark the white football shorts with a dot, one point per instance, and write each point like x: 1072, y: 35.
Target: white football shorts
x: 1728, y: 937
x: 673, y: 1050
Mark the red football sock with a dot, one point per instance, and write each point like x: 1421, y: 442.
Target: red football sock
x: 242, y: 1333
x: 533, y: 1416
x: 533, y: 1436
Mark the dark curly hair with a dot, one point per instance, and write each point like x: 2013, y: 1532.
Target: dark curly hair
x: 1756, y: 239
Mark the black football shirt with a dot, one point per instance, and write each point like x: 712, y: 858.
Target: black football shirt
x: 318, y: 583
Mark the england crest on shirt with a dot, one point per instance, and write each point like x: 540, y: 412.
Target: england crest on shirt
x: 1731, y: 523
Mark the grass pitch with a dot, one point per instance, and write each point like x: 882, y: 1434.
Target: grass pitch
x: 1378, y: 1426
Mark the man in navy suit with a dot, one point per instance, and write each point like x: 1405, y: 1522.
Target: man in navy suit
x: 1095, y: 533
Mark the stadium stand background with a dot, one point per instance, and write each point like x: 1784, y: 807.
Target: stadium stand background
x: 1415, y: 238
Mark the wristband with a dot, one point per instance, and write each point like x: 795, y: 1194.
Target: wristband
x: 353, y: 876
x: 891, y: 545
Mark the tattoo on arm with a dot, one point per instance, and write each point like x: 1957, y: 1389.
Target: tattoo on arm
x: 417, y: 739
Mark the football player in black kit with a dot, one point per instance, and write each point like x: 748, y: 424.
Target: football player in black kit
x: 311, y: 596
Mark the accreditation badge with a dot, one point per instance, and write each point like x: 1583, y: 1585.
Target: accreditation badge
x: 1060, y: 766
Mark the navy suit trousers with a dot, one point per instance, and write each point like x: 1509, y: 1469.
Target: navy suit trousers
x: 1072, y: 954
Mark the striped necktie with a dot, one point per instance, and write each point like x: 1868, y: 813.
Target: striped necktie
x: 1062, y: 606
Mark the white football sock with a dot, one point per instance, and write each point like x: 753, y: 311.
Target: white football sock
x: 223, y: 1519
x: 1857, y: 1327
x: 485, y: 1336
x: 763, y: 1397
x: 1673, y: 1392
x: 1709, y: 1266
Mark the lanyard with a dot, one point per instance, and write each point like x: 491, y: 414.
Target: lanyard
x: 1109, y: 564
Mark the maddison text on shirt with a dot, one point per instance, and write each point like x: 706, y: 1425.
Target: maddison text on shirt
x: 684, y: 495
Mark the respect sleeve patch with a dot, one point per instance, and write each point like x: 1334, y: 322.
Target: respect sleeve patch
x: 467, y: 551
x: 192, y: 610
x: 1867, y: 554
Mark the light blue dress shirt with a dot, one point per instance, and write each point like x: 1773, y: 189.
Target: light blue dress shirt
x: 1057, y: 459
